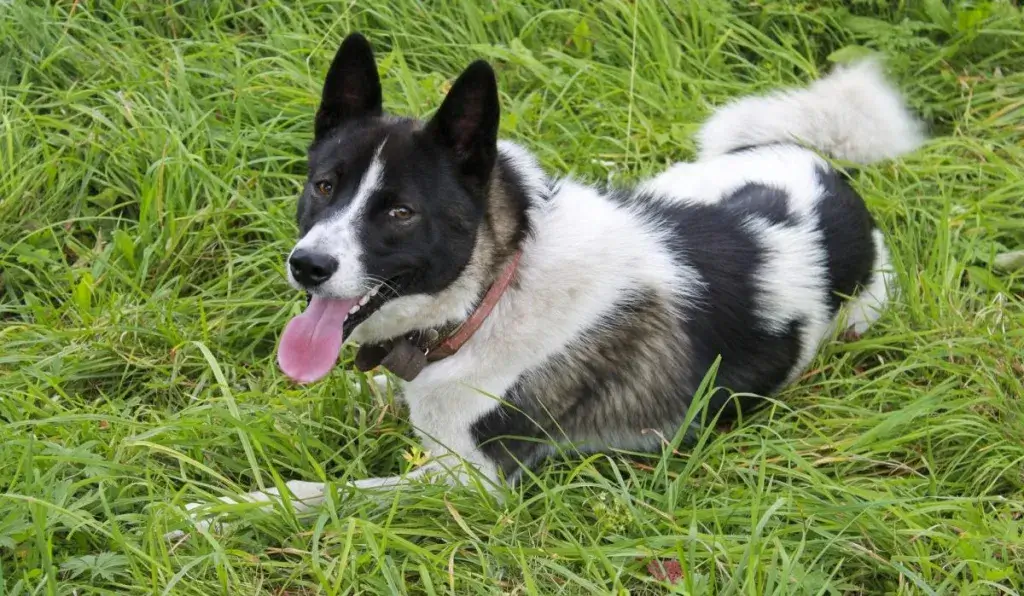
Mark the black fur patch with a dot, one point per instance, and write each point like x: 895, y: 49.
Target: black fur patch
x: 760, y: 200
x: 847, y: 226
x: 515, y: 193
x: 745, y: 148
x: 724, y: 320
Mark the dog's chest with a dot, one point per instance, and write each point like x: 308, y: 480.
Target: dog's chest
x: 443, y: 405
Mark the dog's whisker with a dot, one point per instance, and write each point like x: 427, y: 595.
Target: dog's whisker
x: 379, y: 282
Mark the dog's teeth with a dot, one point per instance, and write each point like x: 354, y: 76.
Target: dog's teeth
x: 354, y: 310
x: 364, y: 300
x: 376, y: 289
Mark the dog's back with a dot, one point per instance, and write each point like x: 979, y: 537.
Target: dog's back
x: 746, y: 255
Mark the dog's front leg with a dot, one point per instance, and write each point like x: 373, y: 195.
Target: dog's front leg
x: 305, y: 496
x: 443, y: 420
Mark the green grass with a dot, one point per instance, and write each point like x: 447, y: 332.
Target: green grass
x: 150, y: 158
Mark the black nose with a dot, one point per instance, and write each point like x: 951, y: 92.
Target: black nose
x: 311, y: 268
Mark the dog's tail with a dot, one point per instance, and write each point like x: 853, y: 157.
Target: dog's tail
x: 853, y: 114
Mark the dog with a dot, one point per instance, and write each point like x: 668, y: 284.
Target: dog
x: 526, y: 312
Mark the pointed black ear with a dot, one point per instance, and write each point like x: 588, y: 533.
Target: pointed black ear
x: 467, y: 121
x: 352, y: 87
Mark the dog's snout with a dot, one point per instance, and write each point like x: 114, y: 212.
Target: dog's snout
x: 311, y: 268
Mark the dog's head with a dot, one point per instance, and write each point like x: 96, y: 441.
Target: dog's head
x: 390, y: 212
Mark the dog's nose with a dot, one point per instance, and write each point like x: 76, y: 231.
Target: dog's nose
x: 312, y: 268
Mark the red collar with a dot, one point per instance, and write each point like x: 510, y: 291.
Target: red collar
x: 460, y: 336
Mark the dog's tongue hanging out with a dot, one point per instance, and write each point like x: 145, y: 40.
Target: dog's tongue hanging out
x: 312, y: 341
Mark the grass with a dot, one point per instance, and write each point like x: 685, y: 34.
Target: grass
x: 150, y: 157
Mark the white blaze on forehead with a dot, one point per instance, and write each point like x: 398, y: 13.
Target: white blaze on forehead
x: 338, y: 236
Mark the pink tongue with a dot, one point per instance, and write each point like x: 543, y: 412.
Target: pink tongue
x: 312, y: 341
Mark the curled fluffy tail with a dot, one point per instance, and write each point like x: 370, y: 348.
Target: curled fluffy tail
x: 853, y: 114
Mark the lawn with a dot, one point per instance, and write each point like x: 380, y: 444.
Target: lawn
x: 150, y: 158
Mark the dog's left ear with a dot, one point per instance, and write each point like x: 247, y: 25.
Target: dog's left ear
x: 467, y: 122
x: 352, y: 87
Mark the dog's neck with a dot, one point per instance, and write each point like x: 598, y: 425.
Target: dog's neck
x: 406, y: 356
x: 491, y: 270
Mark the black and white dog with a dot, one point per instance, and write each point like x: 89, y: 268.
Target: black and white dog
x: 529, y: 312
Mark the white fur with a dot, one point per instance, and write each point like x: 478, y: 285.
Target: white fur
x: 526, y: 165
x: 793, y: 282
x: 788, y: 168
x: 338, y: 237
x: 853, y: 114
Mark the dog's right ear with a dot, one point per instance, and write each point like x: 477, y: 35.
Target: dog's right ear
x: 352, y: 87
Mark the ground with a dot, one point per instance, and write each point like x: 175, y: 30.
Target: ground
x: 150, y: 158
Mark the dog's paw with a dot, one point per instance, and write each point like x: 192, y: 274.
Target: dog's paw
x: 195, y: 522
x: 381, y: 383
x: 378, y: 383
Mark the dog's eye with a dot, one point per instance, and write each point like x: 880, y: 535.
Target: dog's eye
x: 400, y: 213
x: 324, y: 187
